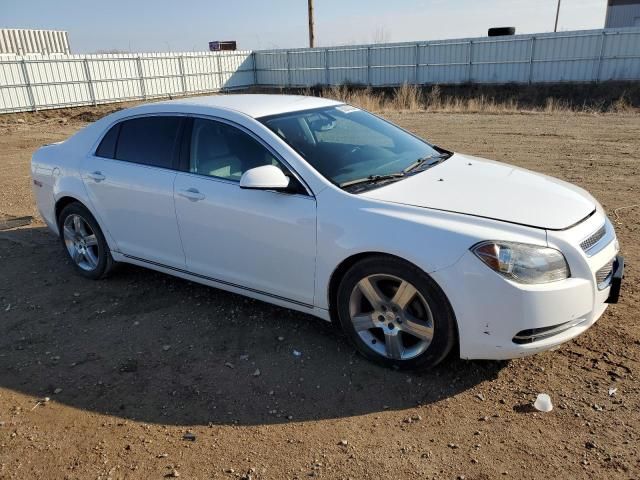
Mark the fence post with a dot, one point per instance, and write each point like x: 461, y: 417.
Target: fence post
x: 87, y: 73
x: 604, y: 35
x: 25, y: 73
x: 417, y: 76
x: 327, y: 75
x: 533, y: 42
x: 143, y: 89
x: 181, y: 69
x: 426, y: 64
x: 288, y: 69
x: 219, y: 68
x: 369, y: 66
x: 254, y: 57
x: 470, y: 61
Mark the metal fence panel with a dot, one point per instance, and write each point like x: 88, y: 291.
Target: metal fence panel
x: 620, y: 54
x: 33, y: 82
x: 348, y: 65
x: 271, y: 68
x: 237, y: 70
x: 307, y: 68
x: 501, y: 61
x: 580, y: 56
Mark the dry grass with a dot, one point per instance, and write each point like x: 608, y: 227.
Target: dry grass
x: 411, y: 98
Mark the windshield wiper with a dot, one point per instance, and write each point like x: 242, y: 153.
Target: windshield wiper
x: 435, y: 159
x: 430, y: 161
x: 372, y: 179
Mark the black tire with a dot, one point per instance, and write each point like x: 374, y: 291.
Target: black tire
x: 104, y: 262
x: 443, y: 322
x: 501, y: 31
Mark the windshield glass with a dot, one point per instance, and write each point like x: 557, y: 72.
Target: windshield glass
x: 346, y: 144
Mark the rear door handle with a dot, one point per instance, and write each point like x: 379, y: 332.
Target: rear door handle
x: 96, y: 176
x: 192, y: 194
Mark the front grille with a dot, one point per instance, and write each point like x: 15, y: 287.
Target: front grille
x: 591, y: 240
x: 603, y: 275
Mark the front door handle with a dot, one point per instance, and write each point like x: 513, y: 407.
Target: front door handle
x: 192, y: 194
x: 96, y: 176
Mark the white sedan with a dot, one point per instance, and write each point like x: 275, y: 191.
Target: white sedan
x: 321, y: 207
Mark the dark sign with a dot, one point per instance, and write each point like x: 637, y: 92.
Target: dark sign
x: 222, y: 45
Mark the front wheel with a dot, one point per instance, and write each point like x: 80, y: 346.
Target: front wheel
x: 395, y: 314
x: 84, y: 242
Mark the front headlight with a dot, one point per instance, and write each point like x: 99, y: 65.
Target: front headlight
x: 522, y: 262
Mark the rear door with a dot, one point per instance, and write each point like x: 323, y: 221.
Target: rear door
x: 130, y: 183
x: 263, y: 241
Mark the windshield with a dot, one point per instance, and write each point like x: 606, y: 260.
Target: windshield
x: 350, y: 146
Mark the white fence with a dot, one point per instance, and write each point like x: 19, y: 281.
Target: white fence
x: 36, y: 82
x: 581, y: 56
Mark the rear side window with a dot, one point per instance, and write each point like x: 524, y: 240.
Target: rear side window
x: 148, y: 140
x: 107, y: 147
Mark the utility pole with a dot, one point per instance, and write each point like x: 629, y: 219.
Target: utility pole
x: 555, y: 28
x: 311, y: 27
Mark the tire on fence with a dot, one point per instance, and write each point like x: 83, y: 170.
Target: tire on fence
x: 500, y: 31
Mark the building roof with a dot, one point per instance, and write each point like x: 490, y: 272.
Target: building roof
x: 255, y: 105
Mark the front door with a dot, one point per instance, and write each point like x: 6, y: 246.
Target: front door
x: 262, y: 241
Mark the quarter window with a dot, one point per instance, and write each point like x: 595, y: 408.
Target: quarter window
x: 107, y: 147
x: 148, y: 140
x: 220, y: 150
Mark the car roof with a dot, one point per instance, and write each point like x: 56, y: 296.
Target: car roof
x: 253, y: 105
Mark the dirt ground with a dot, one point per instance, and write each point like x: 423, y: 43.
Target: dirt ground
x: 151, y: 376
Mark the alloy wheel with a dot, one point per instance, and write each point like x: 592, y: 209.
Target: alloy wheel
x: 391, y: 316
x: 81, y: 242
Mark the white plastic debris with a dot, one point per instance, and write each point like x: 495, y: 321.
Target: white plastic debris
x: 543, y: 403
x: 612, y: 391
x: 296, y: 353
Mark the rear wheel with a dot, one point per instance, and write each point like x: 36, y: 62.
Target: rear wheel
x: 84, y: 242
x: 395, y: 314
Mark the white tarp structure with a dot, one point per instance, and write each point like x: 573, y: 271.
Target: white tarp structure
x: 21, y: 41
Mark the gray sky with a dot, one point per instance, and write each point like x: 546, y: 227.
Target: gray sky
x: 162, y: 25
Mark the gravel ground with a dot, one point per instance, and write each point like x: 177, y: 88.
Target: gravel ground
x: 149, y: 376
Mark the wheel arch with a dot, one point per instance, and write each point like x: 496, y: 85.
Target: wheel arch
x: 344, y: 266
x: 63, y: 202
x: 67, y: 199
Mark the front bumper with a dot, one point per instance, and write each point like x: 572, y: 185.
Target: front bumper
x: 500, y: 319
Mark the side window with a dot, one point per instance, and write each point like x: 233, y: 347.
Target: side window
x: 148, y: 140
x: 107, y: 147
x: 220, y: 150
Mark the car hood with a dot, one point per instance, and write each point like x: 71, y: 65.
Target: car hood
x: 484, y: 188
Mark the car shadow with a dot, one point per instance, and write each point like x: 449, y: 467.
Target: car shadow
x: 145, y: 346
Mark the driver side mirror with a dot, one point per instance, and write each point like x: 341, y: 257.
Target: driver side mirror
x: 266, y: 177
